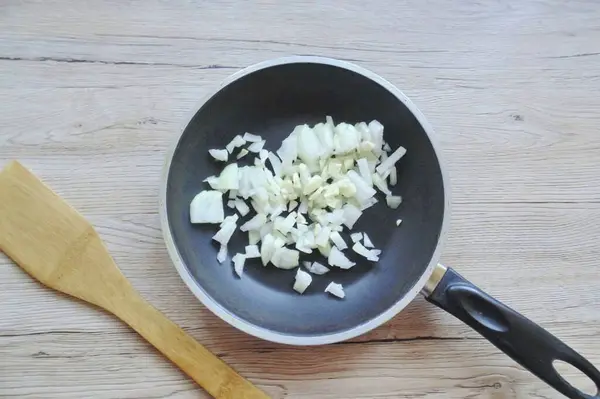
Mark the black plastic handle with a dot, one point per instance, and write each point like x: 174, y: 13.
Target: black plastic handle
x: 527, y: 343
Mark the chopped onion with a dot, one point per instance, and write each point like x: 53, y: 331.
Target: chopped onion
x: 393, y: 176
x: 207, y: 207
x: 337, y: 258
x: 256, y: 147
x: 267, y: 249
x: 237, y: 141
x: 320, y: 180
x: 322, y: 238
x: 241, y: 207
x: 398, y: 222
x: 263, y: 155
x: 380, y: 184
x: 238, y: 263
x: 365, y: 172
x: 351, y: 215
x: 393, y: 201
x: 243, y: 153
x: 337, y: 239
x: 275, y: 164
x: 364, y: 192
x: 391, y: 160
x: 285, y: 258
x: 336, y: 290
x: 362, y: 251
x: 222, y: 254
x: 252, y: 251
x: 316, y: 268
x: 228, y: 179
x: 227, y: 229
x: 255, y: 223
x: 356, y: 237
x: 254, y: 237
x: 302, y: 281
x: 285, y: 224
x: 252, y: 138
x: 367, y: 241
x: 219, y: 155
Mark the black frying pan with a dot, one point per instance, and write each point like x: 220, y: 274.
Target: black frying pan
x: 270, y: 99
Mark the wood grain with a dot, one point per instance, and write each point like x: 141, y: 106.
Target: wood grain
x: 96, y: 91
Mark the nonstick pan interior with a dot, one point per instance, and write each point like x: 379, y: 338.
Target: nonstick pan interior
x: 270, y: 102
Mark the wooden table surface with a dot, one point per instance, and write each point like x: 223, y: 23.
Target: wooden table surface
x: 94, y: 92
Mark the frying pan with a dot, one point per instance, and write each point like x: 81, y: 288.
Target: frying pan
x: 270, y: 99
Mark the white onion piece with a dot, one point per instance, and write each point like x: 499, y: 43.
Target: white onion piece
x: 356, y: 237
x: 229, y: 219
x: 219, y: 155
x: 237, y: 141
x: 285, y: 224
x: 256, y: 147
x: 351, y: 215
x: 285, y: 258
x: 226, y: 231
x: 322, y: 238
x: 337, y: 240
x: 302, y: 281
x: 267, y: 249
x: 364, y: 192
x: 398, y: 222
x: 252, y: 138
x: 316, y: 268
x: 255, y: 223
x: 275, y: 164
x: 309, y: 147
x: 252, y: 251
x: 372, y: 201
x: 243, y: 153
x: 336, y: 290
x: 263, y: 155
x: 254, y: 237
x: 393, y: 201
x: 380, y: 184
x: 213, y: 182
x: 364, y: 170
x: 207, y: 207
x: 292, y: 205
x: 231, y: 204
x: 393, y: 176
x: 222, y: 254
x: 229, y: 179
x: 322, y: 178
x: 238, y: 263
x: 337, y: 258
x: 361, y: 250
x: 241, y: 207
x: 376, y: 130
x: 367, y: 241
x: 391, y: 160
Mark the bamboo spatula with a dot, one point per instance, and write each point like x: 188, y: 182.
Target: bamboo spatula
x: 54, y: 244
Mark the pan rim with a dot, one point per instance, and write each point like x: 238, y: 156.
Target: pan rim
x: 264, y: 333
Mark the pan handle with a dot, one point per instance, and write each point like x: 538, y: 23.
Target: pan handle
x: 524, y: 341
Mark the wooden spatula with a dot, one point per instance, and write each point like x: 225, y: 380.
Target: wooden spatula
x: 54, y: 244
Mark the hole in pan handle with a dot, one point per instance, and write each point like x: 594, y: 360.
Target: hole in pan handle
x: 524, y: 341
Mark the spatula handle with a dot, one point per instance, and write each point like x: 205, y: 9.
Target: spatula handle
x: 216, y: 377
